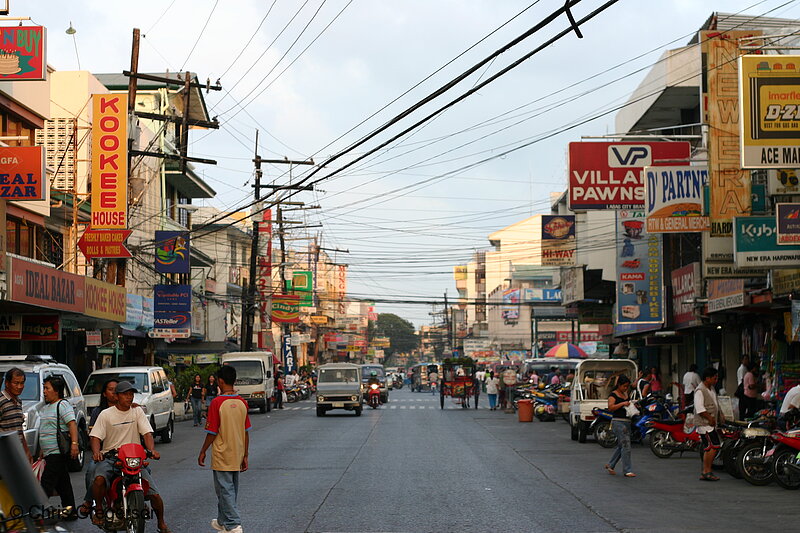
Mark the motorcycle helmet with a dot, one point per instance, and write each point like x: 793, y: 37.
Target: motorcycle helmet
x: 541, y: 386
x: 539, y: 410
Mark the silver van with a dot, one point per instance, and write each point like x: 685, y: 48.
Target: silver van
x: 339, y: 387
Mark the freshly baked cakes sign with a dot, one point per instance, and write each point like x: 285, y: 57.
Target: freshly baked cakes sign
x: 23, y: 53
x: 674, y: 199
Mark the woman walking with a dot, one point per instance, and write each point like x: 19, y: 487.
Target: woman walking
x: 211, y: 391
x: 279, y: 388
x: 196, y: 392
x: 621, y: 425
x: 57, y: 415
x: 491, y: 389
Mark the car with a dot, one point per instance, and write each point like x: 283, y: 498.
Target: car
x: 339, y: 387
x: 37, y: 368
x: 154, y: 395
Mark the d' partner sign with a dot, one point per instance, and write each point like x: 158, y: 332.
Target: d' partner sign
x: 675, y: 199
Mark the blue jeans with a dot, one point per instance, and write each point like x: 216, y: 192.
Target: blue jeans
x: 197, y: 410
x: 226, y: 485
x: 622, y: 430
x: 90, y: 467
x: 492, y: 401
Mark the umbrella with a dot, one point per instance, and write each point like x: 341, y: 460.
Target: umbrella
x: 566, y: 350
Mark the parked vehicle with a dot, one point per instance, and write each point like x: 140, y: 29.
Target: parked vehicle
x: 590, y: 389
x: 650, y: 408
x: 154, y: 394
x: 670, y: 436
x: 37, y: 368
x: 380, y: 374
x: 753, y: 432
x: 255, y: 381
x: 786, y: 459
x: 339, y: 387
x: 124, y: 507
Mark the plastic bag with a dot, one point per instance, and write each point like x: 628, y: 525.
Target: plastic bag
x: 38, y: 468
x: 631, y: 410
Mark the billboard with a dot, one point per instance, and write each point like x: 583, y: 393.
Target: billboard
x: 172, y: 308
x: 640, y: 284
x: 285, y: 308
x: 725, y: 294
x: 510, y: 310
x: 685, y: 288
x: 172, y: 252
x: 105, y: 300
x: 109, y: 161
x: 755, y: 242
x: 23, y: 53
x: 674, y: 199
x: 558, y: 240
x: 22, y: 175
x: 769, y: 118
x: 787, y: 218
x: 610, y: 175
x: 571, y: 285
x: 36, y: 284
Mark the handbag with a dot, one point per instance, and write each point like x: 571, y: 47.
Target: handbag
x: 65, y: 442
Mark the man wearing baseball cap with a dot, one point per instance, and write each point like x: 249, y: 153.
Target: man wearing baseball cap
x: 116, y: 426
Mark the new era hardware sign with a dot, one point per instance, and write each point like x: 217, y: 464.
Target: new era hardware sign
x: 604, y: 175
x: 755, y: 242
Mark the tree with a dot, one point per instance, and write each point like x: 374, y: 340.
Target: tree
x: 399, y: 330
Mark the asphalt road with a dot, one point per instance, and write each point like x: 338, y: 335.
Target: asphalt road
x: 410, y: 466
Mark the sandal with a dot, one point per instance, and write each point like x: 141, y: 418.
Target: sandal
x: 610, y: 470
x: 708, y: 476
x: 630, y: 474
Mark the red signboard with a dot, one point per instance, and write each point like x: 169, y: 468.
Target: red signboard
x: 22, y: 53
x: 685, y: 289
x: 36, y: 284
x: 41, y: 328
x: 22, y: 172
x: 604, y: 175
x: 104, y: 243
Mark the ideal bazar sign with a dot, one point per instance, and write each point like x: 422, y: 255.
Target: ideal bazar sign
x: 43, y: 286
x: 22, y: 173
x: 607, y: 175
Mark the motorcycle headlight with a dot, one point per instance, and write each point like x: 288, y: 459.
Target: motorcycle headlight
x: 133, y: 462
x: 320, y: 398
x: 353, y: 398
x: 374, y: 386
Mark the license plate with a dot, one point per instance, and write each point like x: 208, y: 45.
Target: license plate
x: 338, y: 404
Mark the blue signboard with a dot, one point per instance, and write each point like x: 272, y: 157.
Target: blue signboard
x: 541, y: 295
x: 172, y: 306
x: 640, y: 284
x: 172, y: 252
x: 288, y: 356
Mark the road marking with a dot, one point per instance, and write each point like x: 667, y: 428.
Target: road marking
x: 402, y: 407
x: 413, y: 407
x: 393, y: 407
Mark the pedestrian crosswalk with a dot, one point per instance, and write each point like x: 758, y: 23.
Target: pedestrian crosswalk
x: 417, y: 404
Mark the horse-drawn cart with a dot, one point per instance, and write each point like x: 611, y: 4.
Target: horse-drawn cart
x: 458, y: 381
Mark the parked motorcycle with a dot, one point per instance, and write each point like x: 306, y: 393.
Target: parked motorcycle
x: 669, y: 436
x: 651, y: 408
x: 124, y: 508
x: 786, y: 459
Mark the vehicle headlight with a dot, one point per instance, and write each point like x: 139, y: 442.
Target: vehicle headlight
x: 354, y: 398
x: 258, y: 394
x: 374, y: 386
x: 133, y: 462
x: 320, y: 398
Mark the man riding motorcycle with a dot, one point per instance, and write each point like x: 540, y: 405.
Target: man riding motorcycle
x: 116, y: 426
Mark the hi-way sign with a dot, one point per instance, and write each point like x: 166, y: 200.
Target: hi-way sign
x: 605, y: 175
x: 104, y: 243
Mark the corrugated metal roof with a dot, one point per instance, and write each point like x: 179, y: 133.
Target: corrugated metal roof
x: 731, y: 21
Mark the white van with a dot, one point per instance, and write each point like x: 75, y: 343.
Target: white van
x: 255, y: 381
x: 591, y: 388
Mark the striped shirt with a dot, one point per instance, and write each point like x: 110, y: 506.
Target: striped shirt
x: 11, y: 418
x: 47, y: 430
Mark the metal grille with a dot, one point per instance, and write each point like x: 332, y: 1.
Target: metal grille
x: 56, y: 137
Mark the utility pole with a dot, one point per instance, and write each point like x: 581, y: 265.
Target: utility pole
x: 447, y: 325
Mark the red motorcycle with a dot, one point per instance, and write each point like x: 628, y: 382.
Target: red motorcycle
x: 124, y: 507
x: 785, y: 459
x: 668, y: 437
x: 374, y: 394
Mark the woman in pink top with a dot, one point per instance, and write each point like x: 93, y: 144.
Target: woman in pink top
x: 655, y: 380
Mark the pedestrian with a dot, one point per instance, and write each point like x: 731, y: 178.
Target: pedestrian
x: 742, y: 370
x: 570, y: 376
x: 642, y: 385
x: 534, y: 379
x: 108, y: 398
x: 227, y: 434
x: 549, y: 377
x: 750, y: 388
x: 621, y: 426
x: 57, y: 415
x: 691, y: 379
x: 196, y: 391
x: 655, y: 380
x: 556, y: 379
x: 211, y: 391
x: 11, y: 417
x: 433, y: 379
x: 279, y: 388
x: 791, y: 400
x: 492, y: 386
x: 708, y: 416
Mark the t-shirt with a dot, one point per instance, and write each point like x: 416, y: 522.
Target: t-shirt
x: 690, y: 382
x: 433, y: 377
x: 700, y: 407
x: 11, y: 417
x: 619, y: 412
x: 792, y: 398
x: 212, y: 389
x: 749, y: 380
x: 492, y: 385
x: 740, y: 372
x: 197, y: 391
x: 228, y: 420
x: 115, y: 428
x: 48, y: 428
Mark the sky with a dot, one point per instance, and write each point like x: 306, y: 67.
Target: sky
x: 314, y: 76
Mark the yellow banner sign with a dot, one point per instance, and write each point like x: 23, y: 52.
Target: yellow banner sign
x: 104, y: 300
x: 110, y: 161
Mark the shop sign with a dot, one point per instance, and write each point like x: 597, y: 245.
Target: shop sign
x: 23, y: 54
x: 725, y: 294
x: 476, y: 345
x: 571, y: 285
x: 685, y: 288
x: 610, y: 175
x: 170, y: 333
x: 318, y: 319
x: 785, y: 281
x: 106, y: 301
x: 41, y: 328
x: 173, y: 307
x: 541, y: 295
x: 558, y: 240
x: 460, y: 272
x: 133, y: 311
x: 110, y: 161
x: 795, y: 319
x: 288, y: 355
x: 44, y: 286
x: 206, y: 358
x: 640, y: 284
x: 148, y: 304
x: 783, y: 181
x: 718, y: 260
x: 674, y: 199
x: 104, y: 243
x: 172, y: 252
x: 10, y: 327
x: 755, y: 241
x: 787, y: 218
x: 285, y: 308
x: 510, y: 310
x: 180, y: 359
x: 22, y: 173
x: 730, y: 185
x: 3, y: 236
x: 94, y: 337
x: 768, y: 96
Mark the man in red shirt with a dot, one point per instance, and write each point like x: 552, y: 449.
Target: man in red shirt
x: 227, y: 425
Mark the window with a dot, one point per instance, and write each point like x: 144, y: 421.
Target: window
x: 20, y: 237
x: 155, y: 381
x: 72, y: 385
